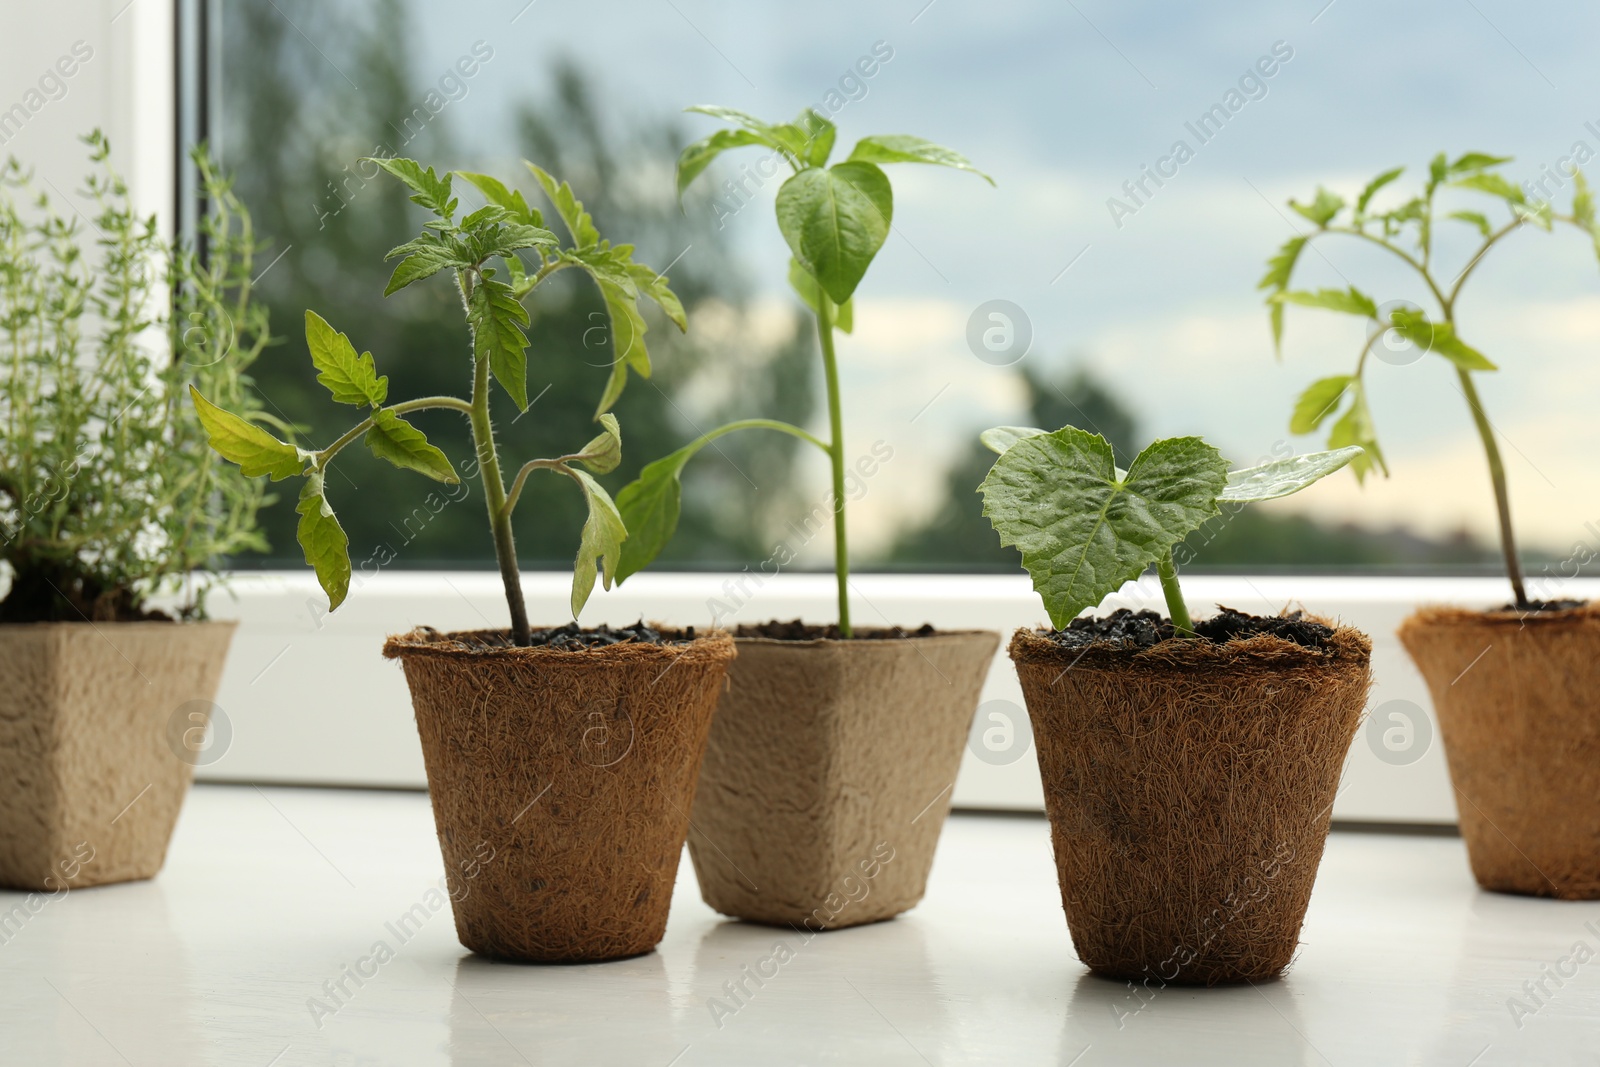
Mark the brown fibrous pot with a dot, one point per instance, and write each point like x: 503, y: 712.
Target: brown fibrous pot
x: 829, y: 774
x: 94, y: 723
x: 1190, y: 787
x: 1517, y: 696
x: 562, y: 782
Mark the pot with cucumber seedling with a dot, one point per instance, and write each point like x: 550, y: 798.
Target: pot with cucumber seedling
x: 562, y: 761
x: 1189, y: 768
x: 1514, y: 687
x: 834, y: 750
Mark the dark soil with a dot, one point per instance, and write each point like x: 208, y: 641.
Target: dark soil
x: 1537, y: 606
x: 61, y: 594
x: 1144, y: 629
x: 801, y: 631
x: 572, y: 636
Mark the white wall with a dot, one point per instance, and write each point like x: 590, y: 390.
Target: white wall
x: 124, y: 86
x: 309, y: 699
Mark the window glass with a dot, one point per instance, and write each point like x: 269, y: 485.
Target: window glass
x: 1144, y: 157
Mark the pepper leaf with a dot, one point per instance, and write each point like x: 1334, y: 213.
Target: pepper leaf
x: 806, y: 286
x: 835, y: 221
x: 650, y: 505
x: 904, y: 148
x: 693, y: 160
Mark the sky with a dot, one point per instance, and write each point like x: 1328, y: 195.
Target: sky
x: 1064, y: 101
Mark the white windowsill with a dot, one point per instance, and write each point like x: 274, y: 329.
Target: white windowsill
x: 310, y: 700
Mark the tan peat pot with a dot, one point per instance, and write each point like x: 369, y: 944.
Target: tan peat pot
x: 1189, y: 788
x: 98, y: 731
x: 829, y: 772
x: 1517, y: 696
x: 562, y: 782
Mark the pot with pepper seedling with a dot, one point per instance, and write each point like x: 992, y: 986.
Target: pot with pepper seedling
x: 561, y: 761
x: 1514, y: 687
x: 833, y: 753
x: 1189, y: 768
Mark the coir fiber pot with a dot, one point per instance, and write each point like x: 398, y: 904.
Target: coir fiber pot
x: 562, y: 781
x: 97, y: 729
x: 828, y: 776
x: 1190, y: 787
x: 1517, y: 695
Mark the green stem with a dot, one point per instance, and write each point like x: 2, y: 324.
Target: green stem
x: 402, y: 408
x: 766, y: 424
x: 494, y: 493
x: 1497, y: 475
x: 1182, y: 625
x: 559, y: 465
x: 1472, y: 264
x: 841, y: 548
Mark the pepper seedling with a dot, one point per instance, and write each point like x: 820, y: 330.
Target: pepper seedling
x: 504, y: 229
x: 1413, y: 222
x: 835, y: 219
x: 1085, y: 527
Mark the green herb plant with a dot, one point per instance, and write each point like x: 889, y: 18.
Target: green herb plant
x: 492, y: 302
x: 1085, y: 527
x: 1407, y: 232
x: 108, y: 495
x: 834, y: 219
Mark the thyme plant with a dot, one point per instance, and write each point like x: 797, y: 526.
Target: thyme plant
x: 1407, y: 233
x: 502, y: 231
x: 108, y: 494
x: 834, y: 219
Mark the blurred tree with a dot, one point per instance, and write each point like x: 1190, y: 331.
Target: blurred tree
x: 958, y: 537
x: 295, y: 127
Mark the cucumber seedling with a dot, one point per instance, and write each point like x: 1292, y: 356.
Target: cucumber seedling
x: 835, y: 219
x: 1085, y: 527
x: 492, y: 301
x: 1407, y: 232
